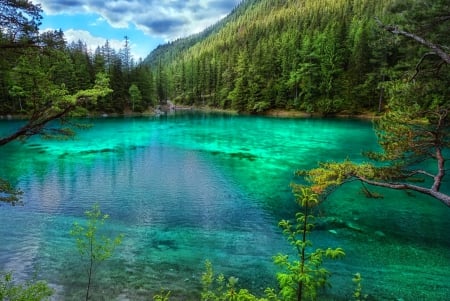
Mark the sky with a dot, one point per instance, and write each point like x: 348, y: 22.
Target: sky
x: 146, y: 23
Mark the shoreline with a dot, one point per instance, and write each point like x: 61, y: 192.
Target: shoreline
x: 277, y: 113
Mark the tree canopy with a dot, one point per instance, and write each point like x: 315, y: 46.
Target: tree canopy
x: 39, y: 68
x: 19, y: 23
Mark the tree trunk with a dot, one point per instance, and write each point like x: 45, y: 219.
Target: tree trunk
x: 34, y: 126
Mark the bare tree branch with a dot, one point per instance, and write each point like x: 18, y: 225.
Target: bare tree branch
x: 420, y: 63
x: 437, y: 49
x: 444, y: 198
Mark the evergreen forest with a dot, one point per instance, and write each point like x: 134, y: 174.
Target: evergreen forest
x: 42, y: 64
x: 326, y: 57
x: 321, y: 56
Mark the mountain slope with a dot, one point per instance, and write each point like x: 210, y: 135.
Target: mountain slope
x: 312, y: 55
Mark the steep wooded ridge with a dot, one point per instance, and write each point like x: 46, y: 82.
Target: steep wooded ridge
x: 324, y: 56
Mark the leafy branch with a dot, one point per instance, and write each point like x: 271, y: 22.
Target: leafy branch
x: 92, y: 246
x: 303, y: 276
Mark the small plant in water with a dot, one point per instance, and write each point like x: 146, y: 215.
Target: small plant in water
x: 163, y: 296
x: 357, y: 294
x: 218, y: 288
x: 29, y: 291
x: 304, y: 276
x: 92, y: 246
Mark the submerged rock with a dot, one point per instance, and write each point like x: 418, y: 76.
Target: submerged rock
x: 352, y: 226
x: 245, y: 156
x: 329, y: 223
x: 96, y: 151
x: 380, y: 234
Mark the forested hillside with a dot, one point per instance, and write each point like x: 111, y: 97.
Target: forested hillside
x: 324, y: 56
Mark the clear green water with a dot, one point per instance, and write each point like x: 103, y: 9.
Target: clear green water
x: 191, y: 187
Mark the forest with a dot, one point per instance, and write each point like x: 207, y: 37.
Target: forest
x: 325, y: 57
x: 322, y: 57
x: 44, y: 63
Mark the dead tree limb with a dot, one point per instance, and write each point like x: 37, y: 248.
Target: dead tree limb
x: 435, y: 48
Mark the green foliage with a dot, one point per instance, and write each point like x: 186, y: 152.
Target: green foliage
x: 304, y: 276
x: 322, y: 56
x: 92, y: 246
x: 20, y: 21
x: 331, y: 174
x: 218, y: 288
x: 135, y: 98
x: 9, y: 194
x: 44, y: 101
x: 260, y: 106
x: 309, y: 55
x: 301, y: 278
x: 39, y: 72
x: 163, y: 296
x: 415, y: 127
x: 358, y: 294
x: 417, y: 122
x: 29, y: 291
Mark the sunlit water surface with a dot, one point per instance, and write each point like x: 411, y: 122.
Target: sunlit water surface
x: 191, y: 187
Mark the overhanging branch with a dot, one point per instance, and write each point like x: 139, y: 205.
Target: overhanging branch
x: 405, y: 186
x: 437, y: 49
x: 34, y: 126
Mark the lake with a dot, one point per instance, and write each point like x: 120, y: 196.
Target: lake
x: 191, y: 187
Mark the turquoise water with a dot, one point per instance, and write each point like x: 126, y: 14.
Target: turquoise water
x: 191, y: 187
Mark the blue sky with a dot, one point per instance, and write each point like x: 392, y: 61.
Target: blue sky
x: 147, y: 23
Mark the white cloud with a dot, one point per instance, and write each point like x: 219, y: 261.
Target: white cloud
x: 168, y: 19
x: 92, y: 42
x: 98, y: 21
x: 73, y: 35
